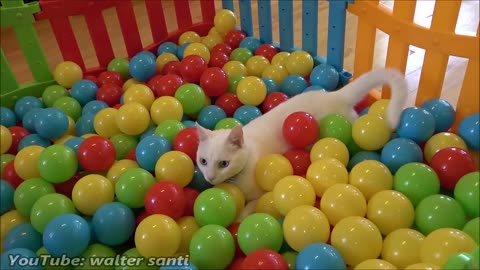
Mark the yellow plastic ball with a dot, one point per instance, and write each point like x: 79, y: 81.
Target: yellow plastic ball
x: 275, y: 72
x: 188, y: 226
x: 157, y: 236
x: 5, y: 139
x: 133, y: 118
x: 390, y: 210
x: 197, y: 48
x: 139, y: 93
x: 214, y: 32
x: 9, y: 220
x: 422, y: 266
x: 378, y: 107
x: 280, y: 58
x: 440, y: 141
x: 236, y: 193
x: 326, y: 172
x: 224, y: 21
x: 88, y: 135
x: 342, y: 200
x: 166, y: 108
x: 118, y: 168
x: 370, y: 132
x: 266, y: 204
x: 330, y: 147
x: 305, y: 225
x: 189, y: 37
x: 357, y: 239
x: 91, y: 192
x: 63, y: 139
x: 234, y: 68
x: 299, y: 62
x: 71, y: 126
x: 129, y: 83
x: 292, y: 191
x: 105, y: 122
x: 377, y: 264
x: 67, y: 73
x: 370, y: 177
x: 175, y: 166
x: 251, y: 90
x: 270, y: 169
x: 26, y: 162
x: 402, y: 247
x: 256, y: 65
x: 211, y: 40
x: 442, y: 243
x: 164, y: 58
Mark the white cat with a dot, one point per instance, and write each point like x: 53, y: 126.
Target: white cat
x: 232, y: 154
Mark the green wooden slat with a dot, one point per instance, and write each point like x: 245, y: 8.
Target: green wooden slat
x: 8, y: 82
x: 32, y: 89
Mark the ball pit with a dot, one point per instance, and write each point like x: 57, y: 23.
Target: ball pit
x: 109, y: 160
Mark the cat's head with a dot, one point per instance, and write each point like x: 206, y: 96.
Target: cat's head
x: 221, y: 154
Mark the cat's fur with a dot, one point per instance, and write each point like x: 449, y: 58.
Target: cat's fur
x: 242, y: 147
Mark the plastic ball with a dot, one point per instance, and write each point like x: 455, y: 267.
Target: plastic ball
x: 241, y: 55
x: 211, y: 40
x: 26, y: 160
x: 22, y: 236
x: 132, y: 186
x: 256, y: 65
x: 96, y: 154
x: 227, y: 123
x: 149, y: 150
x: 109, y: 77
x: 268, y: 51
x: 299, y: 160
x: 234, y: 37
x: 342, y: 200
x: 379, y: 107
x: 157, y: 235
x: 175, y: 166
x: 210, y: 115
x: 188, y: 227
x: 167, y: 198
x: 246, y: 113
x: 187, y: 141
x: 472, y: 228
x: 91, y: 192
x: 120, y: 66
x: 370, y: 177
x: 237, y: 194
x: 113, y: 223
x: 266, y: 204
x: 4, y: 160
x: 271, y: 85
x: 67, y: 73
x: 329, y: 147
x: 139, y: 93
x: 442, y: 111
x: 279, y: 58
x: 300, y: 129
x: 123, y: 144
x: 251, y: 91
x: 166, y: 108
x: 8, y: 117
x: 7, y: 197
x: 212, y: 247
x: 28, y: 192
x: 299, y: 63
x: 67, y: 234
x: 164, y: 58
x: 264, y: 259
x: 417, y: 181
x: 93, y: 107
x: 118, y: 168
x: 370, y: 132
x: 305, y: 225
x: 357, y: 239
x: 69, y: 106
x: 133, y: 118
x: 272, y: 100
x: 293, y: 85
x: 439, y: 211
x: 439, y: 245
x: 399, y: 152
x: 326, y: 172
x: 110, y: 93
x: 259, y: 231
x: 233, y: 67
x: 325, y: 76
x: 218, y: 59
x: 319, y: 256
x: 34, y: 140
x: 17, y: 134
x: 199, y: 49
x: 10, y: 175
x: 229, y: 103
x: 336, y: 126
x: 25, y: 104
x: 105, y: 122
x: 143, y: 66
x: 451, y: 164
x: 375, y: 264
x: 224, y: 21
x: 214, y: 81
x: 440, y: 141
x: 48, y: 207
x: 416, y: 124
x: 270, y: 169
x: 467, y: 193
x: 192, y: 67
x: 191, y: 96
x: 401, y: 247
x: 52, y: 123
x: 12, y: 260
x: 292, y: 191
x: 54, y: 157
x: 29, y: 119
x: 469, y: 130
x: 208, y: 210
x: 275, y: 72
x: 168, y: 46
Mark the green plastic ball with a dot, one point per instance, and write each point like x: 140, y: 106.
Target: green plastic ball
x: 241, y: 55
x: 212, y: 247
x: 132, y: 185
x: 48, y: 207
x: 336, y: 126
x: 416, y: 181
x: 52, y: 93
x: 291, y: 258
x: 69, y: 106
x: 457, y: 261
x: 227, y: 123
x: 472, y: 228
x: 259, y: 231
x: 98, y: 251
x: 120, y: 65
x: 215, y: 206
x: 50, y: 262
x: 169, y: 129
x: 140, y: 261
x: 28, y: 192
x: 192, y: 97
x: 57, y: 163
x: 467, y: 193
x: 123, y: 144
x: 233, y: 82
x: 475, y: 261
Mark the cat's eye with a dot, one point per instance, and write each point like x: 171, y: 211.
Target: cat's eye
x: 203, y: 161
x: 223, y: 163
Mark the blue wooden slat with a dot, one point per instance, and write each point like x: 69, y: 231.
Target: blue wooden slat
x: 336, y: 32
x: 227, y: 4
x: 246, y: 17
x: 285, y: 13
x: 310, y: 26
x: 265, y: 21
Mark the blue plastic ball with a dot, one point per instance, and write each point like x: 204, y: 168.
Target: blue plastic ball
x: 293, y: 85
x: 23, y: 236
x: 20, y: 258
x: 33, y: 139
x: 25, y: 104
x: 361, y: 156
x: 399, y: 152
x: 29, y: 119
x: 198, y: 182
x: 270, y: 84
x: 113, y: 223
x: 210, y: 115
x: 319, y: 256
x: 313, y: 88
x: 74, y: 143
x: 7, y: 117
x: 325, y: 76
x: 84, y: 91
x: 416, y: 124
x: 469, y: 130
x: 250, y: 43
x: 187, y: 266
x: 93, y: 107
x: 6, y: 196
x: 143, y: 66
x: 150, y: 149
x: 247, y: 113
x: 52, y: 123
x: 188, y: 123
x: 84, y: 125
x: 149, y: 132
x: 67, y: 234
x: 167, y: 47
x: 181, y: 50
x: 442, y: 111
x: 364, y: 111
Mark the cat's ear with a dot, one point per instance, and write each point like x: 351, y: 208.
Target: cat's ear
x: 202, y: 132
x: 236, y: 136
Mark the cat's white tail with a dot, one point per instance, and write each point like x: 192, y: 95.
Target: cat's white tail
x: 361, y: 86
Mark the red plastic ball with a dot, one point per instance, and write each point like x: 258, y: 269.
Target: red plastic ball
x: 264, y: 259
x: 191, y: 195
x: 233, y: 229
x: 451, y: 164
x: 96, y: 154
x: 108, y: 77
x: 237, y: 264
x: 10, y: 175
x: 187, y: 141
x: 192, y: 68
x: 214, y: 81
x: 300, y: 160
x: 172, y: 67
x: 66, y: 187
x: 266, y: 50
x: 165, y: 85
x: 300, y: 129
x: 18, y: 133
x: 110, y: 93
x: 91, y: 78
x: 229, y: 103
x: 141, y: 216
x: 167, y: 198
x: 364, y: 103
x: 222, y: 47
x: 131, y: 155
x: 272, y: 100
x: 218, y: 59
x: 233, y: 38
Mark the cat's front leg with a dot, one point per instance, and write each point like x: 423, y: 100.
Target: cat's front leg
x: 247, y: 210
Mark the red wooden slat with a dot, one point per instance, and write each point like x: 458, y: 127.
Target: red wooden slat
x: 208, y: 10
x: 128, y: 25
x: 157, y: 19
x: 184, y: 17
x: 55, y: 8
x: 66, y: 40
x: 100, y: 38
